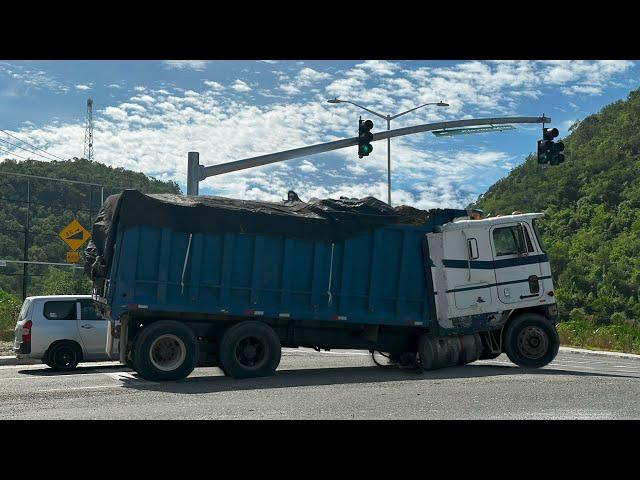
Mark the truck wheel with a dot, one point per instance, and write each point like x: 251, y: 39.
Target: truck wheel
x: 531, y: 340
x: 250, y: 349
x: 165, y: 350
x: 64, y: 356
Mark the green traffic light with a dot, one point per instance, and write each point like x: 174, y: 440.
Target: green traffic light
x: 365, y: 150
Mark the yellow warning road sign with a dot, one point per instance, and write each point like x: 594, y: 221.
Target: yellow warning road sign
x: 73, y: 257
x: 74, y: 235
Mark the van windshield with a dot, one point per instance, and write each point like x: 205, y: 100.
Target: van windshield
x: 538, y: 234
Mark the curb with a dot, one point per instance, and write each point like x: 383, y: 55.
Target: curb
x: 12, y: 360
x: 582, y: 351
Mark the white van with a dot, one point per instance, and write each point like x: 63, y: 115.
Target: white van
x: 61, y: 330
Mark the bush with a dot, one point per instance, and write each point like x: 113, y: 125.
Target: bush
x: 9, y: 310
x: 618, y: 318
x: 577, y: 314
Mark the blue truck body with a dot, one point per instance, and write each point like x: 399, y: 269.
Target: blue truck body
x: 380, y: 277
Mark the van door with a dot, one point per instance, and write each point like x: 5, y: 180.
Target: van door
x: 59, y: 322
x: 93, y: 330
x: 516, y: 263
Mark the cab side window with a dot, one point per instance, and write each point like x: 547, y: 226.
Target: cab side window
x: 506, y: 240
x: 89, y: 310
x: 60, y: 310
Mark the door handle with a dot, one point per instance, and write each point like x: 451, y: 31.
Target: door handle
x: 87, y: 326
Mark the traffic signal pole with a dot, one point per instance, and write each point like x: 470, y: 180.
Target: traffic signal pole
x: 196, y: 172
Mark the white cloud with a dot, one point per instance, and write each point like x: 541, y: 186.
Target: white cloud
x: 83, y: 87
x: 304, y: 78
x: 308, y: 167
x: 379, y: 67
x: 213, y: 85
x: 198, y: 65
x: 240, y: 86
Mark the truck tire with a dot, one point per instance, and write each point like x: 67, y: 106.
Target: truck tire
x: 165, y: 350
x: 250, y: 349
x: 530, y: 340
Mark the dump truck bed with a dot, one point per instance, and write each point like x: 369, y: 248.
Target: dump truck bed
x: 355, y: 261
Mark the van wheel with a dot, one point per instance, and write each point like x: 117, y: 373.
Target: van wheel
x: 530, y: 340
x: 250, y: 349
x: 64, y: 356
x: 165, y: 350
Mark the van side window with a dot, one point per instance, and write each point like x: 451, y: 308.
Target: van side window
x: 60, y: 310
x: 505, y: 240
x: 89, y: 310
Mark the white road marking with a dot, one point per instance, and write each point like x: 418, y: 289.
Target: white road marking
x: 81, y: 388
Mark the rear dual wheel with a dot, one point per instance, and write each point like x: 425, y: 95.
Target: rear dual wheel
x: 249, y: 349
x: 165, y: 350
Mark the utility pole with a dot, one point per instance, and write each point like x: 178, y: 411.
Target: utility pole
x: 197, y: 173
x: 88, y: 132
x: 25, y: 252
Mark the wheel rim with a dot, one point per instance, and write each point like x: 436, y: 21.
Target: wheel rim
x: 533, y: 342
x: 167, y: 352
x: 251, y: 352
x: 64, y: 357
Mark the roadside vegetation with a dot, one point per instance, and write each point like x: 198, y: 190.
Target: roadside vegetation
x: 591, y: 227
x: 9, y: 310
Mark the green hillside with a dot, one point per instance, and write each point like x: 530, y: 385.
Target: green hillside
x: 53, y: 205
x: 592, y: 206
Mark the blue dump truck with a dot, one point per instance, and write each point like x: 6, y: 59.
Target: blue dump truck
x: 212, y: 281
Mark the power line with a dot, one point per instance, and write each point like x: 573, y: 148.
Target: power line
x: 11, y: 153
x: 31, y: 145
x: 25, y: 149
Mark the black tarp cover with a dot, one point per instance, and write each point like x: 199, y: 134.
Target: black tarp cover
x: 318, y: 220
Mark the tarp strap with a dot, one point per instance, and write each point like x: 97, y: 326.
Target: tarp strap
x: 330, y: 273
x: 186, y: 260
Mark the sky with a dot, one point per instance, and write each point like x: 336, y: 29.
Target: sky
x: 149, y: 114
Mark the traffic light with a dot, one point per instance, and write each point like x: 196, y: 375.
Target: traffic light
x: 548, y: 150
x: 364, y: 138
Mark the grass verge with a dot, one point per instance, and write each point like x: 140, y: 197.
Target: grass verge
x: 614, y: 337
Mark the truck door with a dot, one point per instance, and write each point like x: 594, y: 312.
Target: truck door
x: 93, y: 330
x: 516, y: 263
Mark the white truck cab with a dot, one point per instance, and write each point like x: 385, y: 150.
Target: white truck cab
x: 485, y: 271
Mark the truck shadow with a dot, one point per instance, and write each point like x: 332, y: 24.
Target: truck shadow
x: 342, y: 376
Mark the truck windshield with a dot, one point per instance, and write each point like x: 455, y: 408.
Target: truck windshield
x: 538, y: 234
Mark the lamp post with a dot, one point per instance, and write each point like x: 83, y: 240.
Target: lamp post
x: 388, y: 118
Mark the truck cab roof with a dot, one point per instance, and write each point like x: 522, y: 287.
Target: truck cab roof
x: 489, y: 221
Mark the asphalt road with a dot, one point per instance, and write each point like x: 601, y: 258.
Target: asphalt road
x: 333, y: 385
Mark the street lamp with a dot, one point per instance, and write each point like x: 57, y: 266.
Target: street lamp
x: 388, y: 118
